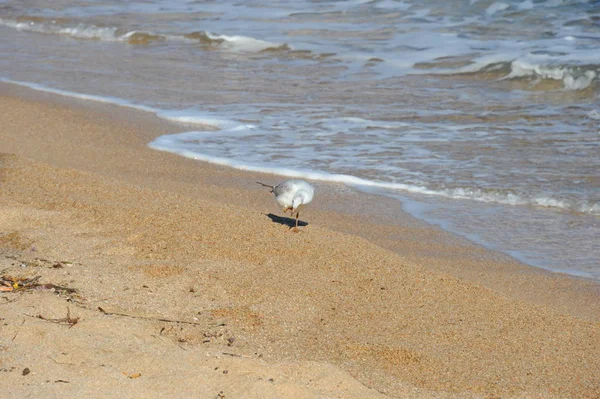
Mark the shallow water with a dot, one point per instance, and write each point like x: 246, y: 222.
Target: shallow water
x: 480, y: 116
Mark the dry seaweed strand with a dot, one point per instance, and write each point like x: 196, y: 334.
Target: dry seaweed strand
x: 12, y: 284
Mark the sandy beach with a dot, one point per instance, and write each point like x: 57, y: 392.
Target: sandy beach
x: 161, y: 276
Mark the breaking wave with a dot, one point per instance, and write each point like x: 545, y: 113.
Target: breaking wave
x: 236, y: 43
x: 548, y: 71
x: 538, y: 73
x: 79, y: 30
x: 572, y: 77
x: 510, y: 197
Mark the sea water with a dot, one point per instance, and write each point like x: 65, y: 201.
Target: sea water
x: 479, y: 116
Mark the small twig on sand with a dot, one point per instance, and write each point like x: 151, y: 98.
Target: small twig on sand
x: 17, y: 333
x: 157, y: 318
x: 236, y: 355
x: 65, y: 320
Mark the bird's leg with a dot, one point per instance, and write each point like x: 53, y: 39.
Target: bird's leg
x: 295, y: 230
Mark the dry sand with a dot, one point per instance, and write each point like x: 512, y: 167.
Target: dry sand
x: 189, y: 283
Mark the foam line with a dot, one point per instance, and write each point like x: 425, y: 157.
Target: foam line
x: 175, y: 143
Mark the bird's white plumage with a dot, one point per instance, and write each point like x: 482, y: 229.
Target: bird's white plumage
x: 292, y: 194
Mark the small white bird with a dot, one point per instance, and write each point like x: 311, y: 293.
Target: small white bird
x: 291, y: 195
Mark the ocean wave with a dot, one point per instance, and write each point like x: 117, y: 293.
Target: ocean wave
x: 245, y: 43
x: 235, y: 43
x: 572, y: 77
x: 540, y: 70
x: 511, y: 197
x: 80, y: 30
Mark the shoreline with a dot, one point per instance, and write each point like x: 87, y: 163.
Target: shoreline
x: 373, y: 209
x: 413, y: 203
x: 157, y: 217
x: 176, y: 127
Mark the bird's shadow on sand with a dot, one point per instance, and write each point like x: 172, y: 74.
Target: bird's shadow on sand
x: 290, y: 222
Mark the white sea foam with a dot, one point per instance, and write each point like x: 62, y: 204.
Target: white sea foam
x: 80, y: 31
x: 93, y: 32
x: 194, y: 117
x: 84, y: 31
x: 173, y: 143
x: 181, y: 116
x: 181, y: 144
x: 82, y: 96
x: 572, y: 78
x: 495, y: 7
x: 27, y: 26
x: 243, y: 43
x: 509, y: 197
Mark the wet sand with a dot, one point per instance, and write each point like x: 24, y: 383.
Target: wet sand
x: 189, y: 282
